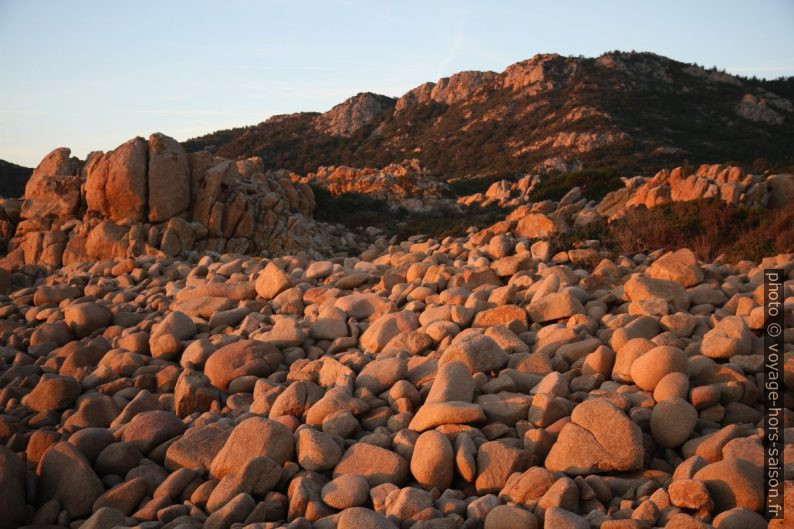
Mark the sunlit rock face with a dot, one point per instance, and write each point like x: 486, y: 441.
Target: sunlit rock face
x: 152, y: 197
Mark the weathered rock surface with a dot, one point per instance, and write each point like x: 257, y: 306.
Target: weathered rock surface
x: 66, y: 476
x: 599, y: 438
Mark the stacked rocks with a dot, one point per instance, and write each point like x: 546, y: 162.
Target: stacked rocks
x: 480, y: 381
x: 152, y: 197
x: 727, y: 183
x: 504, y: 193
x: 401, y: 185
x: 724, y: 182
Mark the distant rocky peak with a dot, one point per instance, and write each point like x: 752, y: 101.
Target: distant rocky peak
x: 416, y: 96
x: 640, y: 69
x: 713, y: 76
x: 350, y: 115
x: 461, y: 86
x: 549, y: 112
x: 536, y: 74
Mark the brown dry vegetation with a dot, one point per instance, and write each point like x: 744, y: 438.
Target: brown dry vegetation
x: 708, y: 227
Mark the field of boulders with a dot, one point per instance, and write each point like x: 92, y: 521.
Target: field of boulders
x: 480, y: 381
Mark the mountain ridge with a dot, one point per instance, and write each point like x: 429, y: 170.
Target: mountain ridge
x: 625, y: 110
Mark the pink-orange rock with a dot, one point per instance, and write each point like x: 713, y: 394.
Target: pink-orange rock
x: 168, y: 178
x: 244, y: 357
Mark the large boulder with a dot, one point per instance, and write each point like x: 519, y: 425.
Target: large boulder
x: 53, y: 189
x: 85, y: 318
x: 536, y: 226
x: 169, y: 178
x: 599, y: 438
x: 106, y: 240
x: 437, y: 413
x: 453, y: 382
x: 640, y: 287
x: 496, y: 462
x: 52, y: 393
x: 272, y: 281
x: 254, y: 437
x: 432, y: 463
x: 65, y: 475
x: 672, y: 422
x: 377, y: 465
x: 680, y: 266
x: 241, y: 358
x: 734, y: 482
x: 554, y: 306
x: 476, y: 351
x: 781, y: 189
x: 149, y: 429
x: 387, y: 327
x: 729, y: 337
x: 647, y: 370
x: 116, y: 184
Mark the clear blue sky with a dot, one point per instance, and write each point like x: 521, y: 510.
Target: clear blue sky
x: 92, y: 74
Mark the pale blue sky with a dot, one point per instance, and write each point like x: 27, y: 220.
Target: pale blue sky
x: 92, y: 74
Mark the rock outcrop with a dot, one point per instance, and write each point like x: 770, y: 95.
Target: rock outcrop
x: 767, y: 108
x: 504, y: 193
x: 406, y: 184
x: 350, y: 115
x: 152, y: 197
x: 728, y: 183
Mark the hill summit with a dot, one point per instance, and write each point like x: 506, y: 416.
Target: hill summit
x: 622, y: 110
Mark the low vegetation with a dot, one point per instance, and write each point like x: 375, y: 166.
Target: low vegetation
x: 709, y: 227
x: 357, y: 211
x: 594, y: 183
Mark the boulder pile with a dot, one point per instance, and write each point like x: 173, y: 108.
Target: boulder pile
x: 401, y: 185
x: 728, y: 183
x: 504, y: 193
x: 574, y: 210
x: 488, y: 380
x: 153, y: 198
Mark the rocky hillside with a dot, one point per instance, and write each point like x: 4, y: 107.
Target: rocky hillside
x: 12, y: 179
x: 626, y: 111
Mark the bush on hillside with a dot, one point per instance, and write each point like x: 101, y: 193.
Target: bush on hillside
x: 708, y: 227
